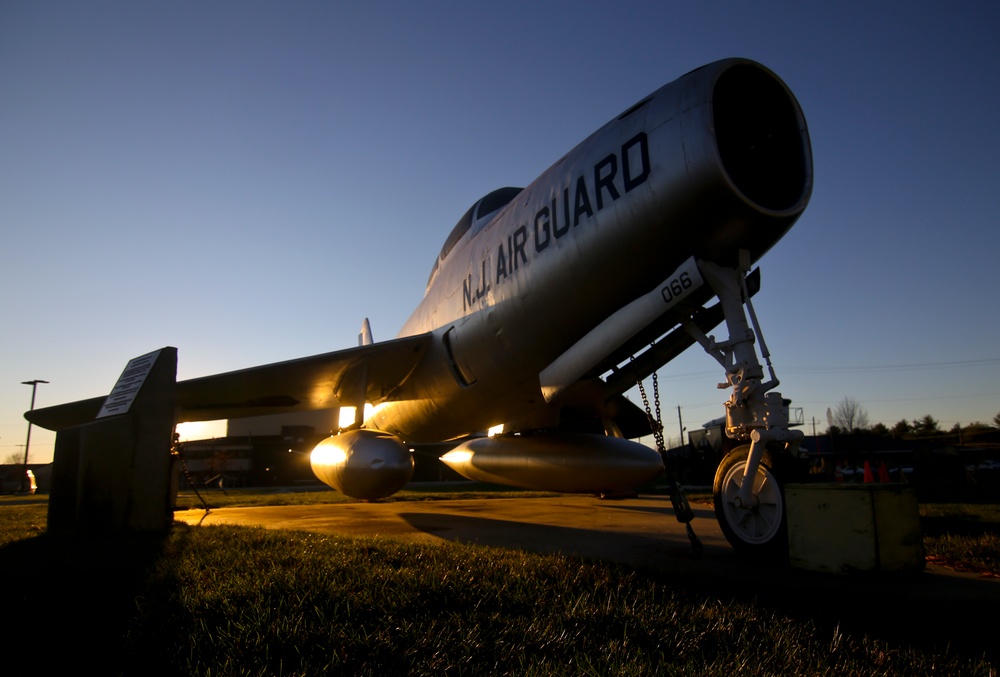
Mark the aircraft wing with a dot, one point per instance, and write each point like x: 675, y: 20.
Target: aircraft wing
x: 341, y: 378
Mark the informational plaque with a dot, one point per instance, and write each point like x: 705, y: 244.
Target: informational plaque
x: 128, y: 385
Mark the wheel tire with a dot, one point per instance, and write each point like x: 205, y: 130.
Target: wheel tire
x: 761, y: 530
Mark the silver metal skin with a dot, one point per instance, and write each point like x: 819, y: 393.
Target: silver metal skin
x: 568, y: 463
x: 622, y: 325
x: 363, y: 464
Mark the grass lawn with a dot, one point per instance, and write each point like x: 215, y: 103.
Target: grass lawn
x: 245, y: 601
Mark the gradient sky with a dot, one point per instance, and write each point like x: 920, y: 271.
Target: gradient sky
x: 247, y: 181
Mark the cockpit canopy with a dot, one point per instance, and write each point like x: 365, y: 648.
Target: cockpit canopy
x: 478, y: 216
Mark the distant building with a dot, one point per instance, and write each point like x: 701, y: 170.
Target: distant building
x: 11, y: 476
x: 260, y: 451
x: 274, y: 451
x: 322, y: 421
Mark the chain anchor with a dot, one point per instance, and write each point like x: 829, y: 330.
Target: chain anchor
x: 177, y: 452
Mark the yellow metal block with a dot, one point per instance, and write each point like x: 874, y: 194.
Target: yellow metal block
x: 844, y: 528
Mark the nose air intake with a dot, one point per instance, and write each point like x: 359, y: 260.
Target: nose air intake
x: 761, y: 136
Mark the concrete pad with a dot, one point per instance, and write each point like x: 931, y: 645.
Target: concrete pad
x: 634, y: 531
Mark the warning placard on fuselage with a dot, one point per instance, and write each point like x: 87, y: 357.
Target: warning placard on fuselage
x: 128, y: 385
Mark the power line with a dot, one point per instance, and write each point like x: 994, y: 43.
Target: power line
x: 911, y: 399
x: 985, y: 362
x: 893, y: 367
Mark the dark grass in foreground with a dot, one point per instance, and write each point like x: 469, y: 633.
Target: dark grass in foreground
x: 964, y: 536
x: 245, y: 601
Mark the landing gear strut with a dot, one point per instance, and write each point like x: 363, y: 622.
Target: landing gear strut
x: 748, y: 488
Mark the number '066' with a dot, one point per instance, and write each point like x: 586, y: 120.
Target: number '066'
x: 676, y: 287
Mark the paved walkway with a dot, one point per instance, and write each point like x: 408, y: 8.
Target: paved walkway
x: 633, y: 531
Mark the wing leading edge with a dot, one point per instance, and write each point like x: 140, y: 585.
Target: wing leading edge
x: 368, y: 373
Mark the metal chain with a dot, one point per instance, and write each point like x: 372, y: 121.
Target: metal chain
x: 655, y: 424
x: 682, y: 509
x: 656, y: 403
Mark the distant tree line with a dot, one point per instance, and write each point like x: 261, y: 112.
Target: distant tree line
x: 850, y: 417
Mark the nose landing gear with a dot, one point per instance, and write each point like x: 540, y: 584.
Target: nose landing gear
x: 749, y: 483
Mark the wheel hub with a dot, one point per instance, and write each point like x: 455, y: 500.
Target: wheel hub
x: 760, y: 520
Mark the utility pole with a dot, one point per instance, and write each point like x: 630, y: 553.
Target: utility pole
x: 680, y: 424
x: 27, y: 442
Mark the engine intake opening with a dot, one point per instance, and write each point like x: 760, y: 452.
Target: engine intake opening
x: 761, y: 137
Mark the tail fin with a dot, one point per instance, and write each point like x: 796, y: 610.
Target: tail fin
x: 365, y: 337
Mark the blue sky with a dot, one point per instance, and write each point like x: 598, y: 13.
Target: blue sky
x: 247, y: 181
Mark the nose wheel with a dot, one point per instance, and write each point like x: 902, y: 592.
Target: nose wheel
x: 757, y: 526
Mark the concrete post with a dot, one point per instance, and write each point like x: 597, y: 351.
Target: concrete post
x: 112, y: 475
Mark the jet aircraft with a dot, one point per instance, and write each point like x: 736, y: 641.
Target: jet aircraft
x: 548, y: 302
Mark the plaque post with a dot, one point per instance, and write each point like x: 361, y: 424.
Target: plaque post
x: 112, y: 475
